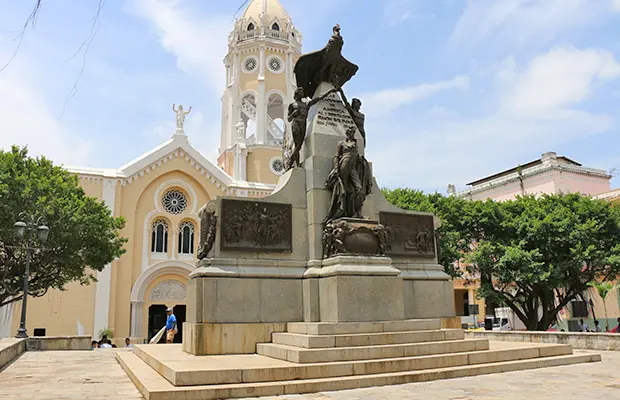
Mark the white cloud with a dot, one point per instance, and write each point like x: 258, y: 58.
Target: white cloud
x: 540, y: 107
x: 520, y: 22
x: 26, y: 120
x: 383, y: 102
x: 196, y: 40
x: 560, y: 78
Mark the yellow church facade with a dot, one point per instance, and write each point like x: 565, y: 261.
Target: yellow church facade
x: 159, y: 193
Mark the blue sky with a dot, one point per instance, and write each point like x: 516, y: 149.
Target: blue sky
x: 453, y: 90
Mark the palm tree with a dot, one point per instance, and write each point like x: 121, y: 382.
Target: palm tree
x: 604, y: 288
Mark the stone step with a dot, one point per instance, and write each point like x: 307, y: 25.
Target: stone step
x: 155, y: 387
x: 344, y: 328
x: 186, y: 370
x: 365, y: 339
x: 302, y: 355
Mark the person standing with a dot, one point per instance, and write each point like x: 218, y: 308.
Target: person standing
x: 582, y: 327
x: 171, y: 326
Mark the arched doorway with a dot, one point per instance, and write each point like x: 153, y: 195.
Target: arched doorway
x: 159, y: 287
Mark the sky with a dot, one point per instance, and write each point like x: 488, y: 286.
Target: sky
x: 453, y: 90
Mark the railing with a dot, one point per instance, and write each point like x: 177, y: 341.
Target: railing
x: 268, y: 33
x: 248, y: 109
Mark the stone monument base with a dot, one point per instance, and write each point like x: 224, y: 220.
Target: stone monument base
x: 354, y: 289
x: 214, y: 339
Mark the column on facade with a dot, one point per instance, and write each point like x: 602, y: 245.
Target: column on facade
x: 136, y: 318
x: 261, y: 103
x: 6, y: 320
x: 104, y: 277
x: 234, y: 101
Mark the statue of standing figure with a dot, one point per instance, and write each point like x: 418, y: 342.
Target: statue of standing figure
x: 354, y: 110
x: 180, y: 116
x: 350, y: 180
x: 298, y: 116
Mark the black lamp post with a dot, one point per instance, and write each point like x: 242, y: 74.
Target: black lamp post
x: 25, y: 228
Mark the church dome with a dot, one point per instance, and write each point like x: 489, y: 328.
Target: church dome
x: 267, y: 12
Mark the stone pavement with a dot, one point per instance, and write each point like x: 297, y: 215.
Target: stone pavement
x: 574, y: 382
x: 89, y: 375
x: 64, y: 375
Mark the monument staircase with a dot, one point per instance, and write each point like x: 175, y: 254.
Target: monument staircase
x: 323, y: 356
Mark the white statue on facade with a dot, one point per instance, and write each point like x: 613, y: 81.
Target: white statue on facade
x: 180, y: 116
x: 240, y: 128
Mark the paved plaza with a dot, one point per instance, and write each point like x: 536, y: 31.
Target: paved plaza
x: 90, y: 375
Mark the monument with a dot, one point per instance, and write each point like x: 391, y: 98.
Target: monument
x: 325, y: 246
x: 324, y: 282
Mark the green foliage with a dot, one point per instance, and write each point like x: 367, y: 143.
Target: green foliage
x: 603, y: 289
x: 83, y: 237
x: 534, y: 254
x: 107, y: 332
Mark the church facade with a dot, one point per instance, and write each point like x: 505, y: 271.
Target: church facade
x: 159, y: 193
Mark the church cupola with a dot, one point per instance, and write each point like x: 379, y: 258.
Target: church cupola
x: 263, y: 48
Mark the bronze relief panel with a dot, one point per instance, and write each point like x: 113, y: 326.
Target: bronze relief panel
x: 409, y: 235
x: 256, y: 226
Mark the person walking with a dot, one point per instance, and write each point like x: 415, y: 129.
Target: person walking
x: 171, y: 326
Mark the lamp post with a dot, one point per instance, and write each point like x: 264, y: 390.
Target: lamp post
x: 25, y: 228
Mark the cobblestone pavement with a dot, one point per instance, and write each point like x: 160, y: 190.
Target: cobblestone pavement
x: 88, y: 375
x: 64, y: 375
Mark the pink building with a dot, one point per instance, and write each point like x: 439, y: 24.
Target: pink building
x: 549, y: 174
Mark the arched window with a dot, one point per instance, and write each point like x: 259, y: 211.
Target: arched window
x: 251, y: 27
x: 159, y: 237
x: 275, y: 26
x: 186, y: 238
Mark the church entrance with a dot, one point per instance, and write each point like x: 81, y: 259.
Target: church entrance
x: 157, y: 320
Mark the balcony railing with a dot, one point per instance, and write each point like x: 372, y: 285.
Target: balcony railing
x: 268, y: 33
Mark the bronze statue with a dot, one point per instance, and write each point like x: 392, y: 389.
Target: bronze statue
x: 350, y: 180
x: 354, y: 109
x: 325, y: 65
x: 208, y: 230
x: 298, y: 116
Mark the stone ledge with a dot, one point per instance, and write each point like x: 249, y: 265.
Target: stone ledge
x: 579, y: 340
x: 10, y: 349
x: 47, y: 343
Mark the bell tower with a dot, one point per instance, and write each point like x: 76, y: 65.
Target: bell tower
x: 262, y: 51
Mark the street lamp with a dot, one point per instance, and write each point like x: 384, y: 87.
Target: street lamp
x: 25, y: 228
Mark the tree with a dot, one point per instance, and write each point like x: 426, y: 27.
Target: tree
x: 542, y: 253
x: 533, y: 254
x: 603, y: 289
x: 83, y: 237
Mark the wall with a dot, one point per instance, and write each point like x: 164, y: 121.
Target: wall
x: 258, y: 165
x: 59, y: 311
x: 591, y: 341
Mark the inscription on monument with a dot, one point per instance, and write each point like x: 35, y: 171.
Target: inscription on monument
x: 409, y: 235
x: 334, y: 114
x: 256, y: 226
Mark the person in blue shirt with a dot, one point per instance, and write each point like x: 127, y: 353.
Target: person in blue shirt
x: 171, y: 326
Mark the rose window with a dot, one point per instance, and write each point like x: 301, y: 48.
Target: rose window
x: 174, y: 202
x: 250, y: 64
x: 275, y: 64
